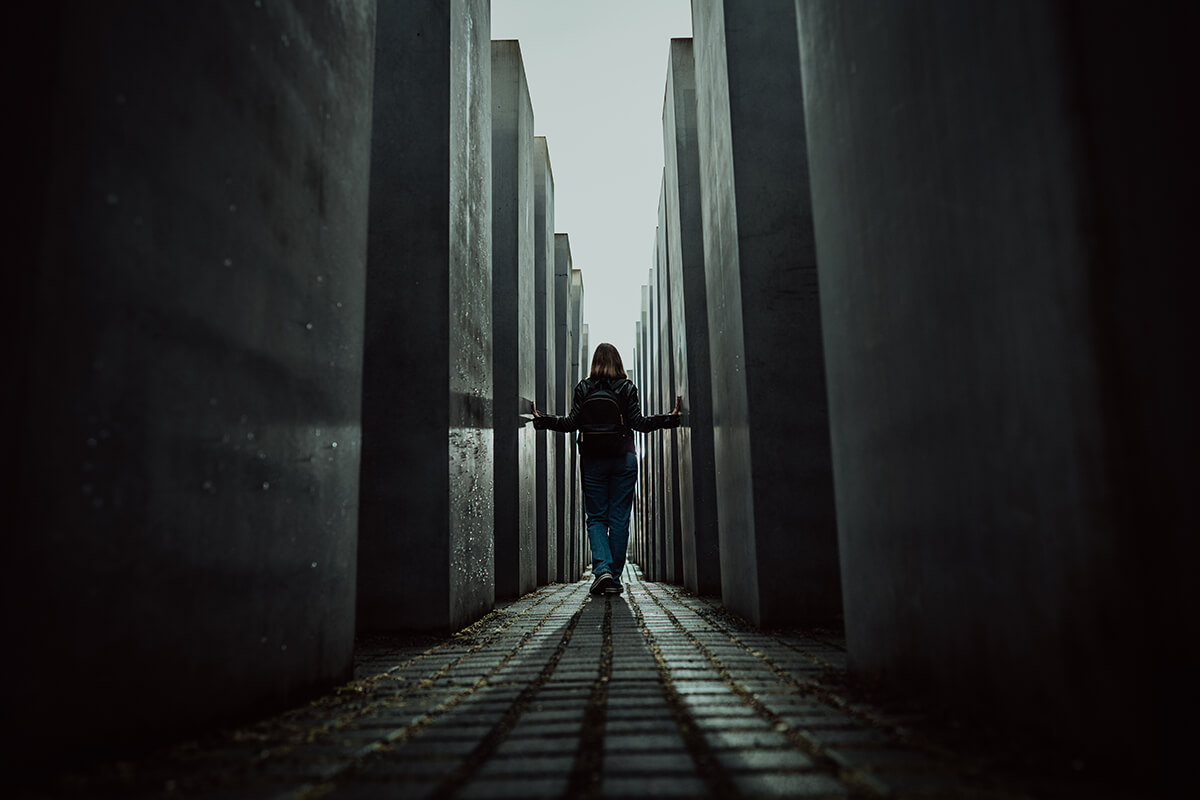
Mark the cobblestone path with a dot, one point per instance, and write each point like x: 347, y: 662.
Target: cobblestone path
x: 653, y: 693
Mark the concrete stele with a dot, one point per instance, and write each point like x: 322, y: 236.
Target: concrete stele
x: 547, y: 470
x: 1014, y: 436
x: 635, y: 539
x: 578, y: 551
x: 647, y: 476
x: 640, y: 441
x: 657, y: 565
x: 186, y: 391
x: 425, y: 518
x: 513, y: 323
x: 563, y: 387
x: 771, y: 432
x: 665, y: 399
x: 701, y: 568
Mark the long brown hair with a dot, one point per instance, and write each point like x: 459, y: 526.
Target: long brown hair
x: 606, y: 363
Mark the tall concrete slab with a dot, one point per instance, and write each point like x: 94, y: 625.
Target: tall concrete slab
x: 665, y: 395
x: 649, y: 463
x: 770, y: 422
x: 577, y: 546
x: 1003, y: 259
x: 658, y: 544
x: 584, y: 556
x: 425, y: 522
x: 544, y: 381
x: 572, y: 516
x: 579, y: 365
x: 513, y: 323
x: 637, y: 548
x: 696, y: 464
x: 574, y: 506
x: 646, y: 465
x: 563, y: 387
x: 185, y: 385
x: 644, y: 443
x: 651, y: 401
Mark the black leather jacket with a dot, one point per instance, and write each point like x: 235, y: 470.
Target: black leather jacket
x: 627, y: 393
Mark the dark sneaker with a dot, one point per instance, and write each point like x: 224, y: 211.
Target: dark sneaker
x: 602, y: 583
x: 615, y: 588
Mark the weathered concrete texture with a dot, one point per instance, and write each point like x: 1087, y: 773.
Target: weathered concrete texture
x: 637, y: 523
x: 1006, y: 313
x: 771, y: 434
x: 545, y: 379
x: 640, y: 502
x: 577, y: 548
x: 513, y: 323
x: 563, y: 387
x: 653, y: 400
x: 647, y: 478
x: 584, y: 353
x: 186, y: 386
x: 425, y: 523
x: 582, y: 548
x: 657, y: 566
x: 585, y: 548
x: 665, y: 401
x: 697, y: 502
x: 644, y: 439
x: 652, y: 441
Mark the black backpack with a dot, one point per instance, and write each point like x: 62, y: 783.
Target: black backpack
x: 602, y: 429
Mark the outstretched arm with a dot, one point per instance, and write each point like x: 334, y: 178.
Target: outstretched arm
x: 640, y: 422
x: 565, y: 424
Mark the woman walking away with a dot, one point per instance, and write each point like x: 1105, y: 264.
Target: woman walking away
x: 606, y: 411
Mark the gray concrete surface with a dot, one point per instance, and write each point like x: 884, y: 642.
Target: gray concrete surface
x: 656, y: 565
x: 185, y: 384
x: 771, y: 431
x: 184, y: 389
x: 425, y: 520
x: 646, y: 499
x: 513, y: 323
x: 582, y: 547
x: 546, y: 377
x: 1002, y: 278
x: 563, y: 387
x: 699, y: 550
x: 577, y: 551
x: 664, y: 399
x: 637, y: 524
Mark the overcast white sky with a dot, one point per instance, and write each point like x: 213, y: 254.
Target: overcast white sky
x: 597, y: 74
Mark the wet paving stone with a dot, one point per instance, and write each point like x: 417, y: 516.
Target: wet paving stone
x: 661, y: 762
x: 657, y: 786
x: 538, y: 746
x: 378, y: 790
x: 642, y: 742
x: 522, y: 786
x: 745, y: 760
x: 788, y: 784
x: 393, y: 767
x: 619, y: 727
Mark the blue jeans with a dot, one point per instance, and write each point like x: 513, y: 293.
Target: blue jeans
x: 608, y: 498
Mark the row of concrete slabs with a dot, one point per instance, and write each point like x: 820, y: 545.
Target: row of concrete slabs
x: 918, y: 277
x: 295, y: 284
